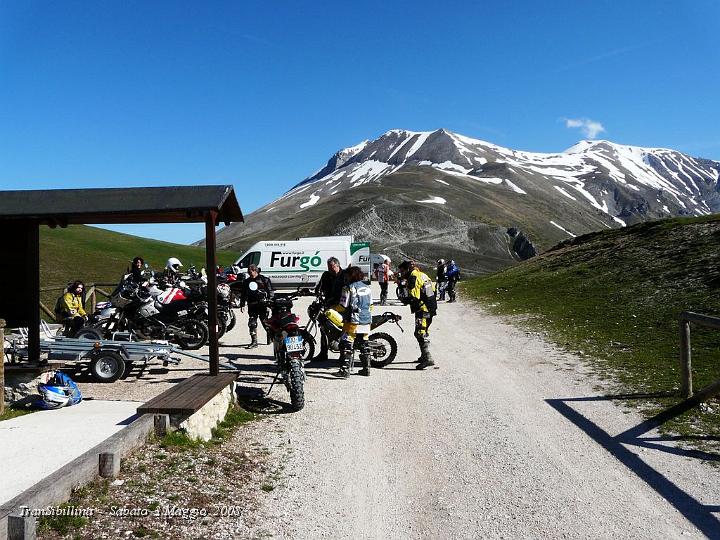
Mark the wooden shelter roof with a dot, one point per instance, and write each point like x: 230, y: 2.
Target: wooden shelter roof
x: 176, y: 204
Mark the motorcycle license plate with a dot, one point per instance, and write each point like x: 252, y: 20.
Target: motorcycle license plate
x: 294, y: 343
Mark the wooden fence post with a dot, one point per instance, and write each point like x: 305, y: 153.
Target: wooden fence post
x: 93, y: 299
x: 2, y: 366
x: 685, y: 359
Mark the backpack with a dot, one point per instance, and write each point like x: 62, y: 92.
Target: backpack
x: 60, y: 309
x: 427, y: 296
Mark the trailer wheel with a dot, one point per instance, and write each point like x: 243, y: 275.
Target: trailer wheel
x: 107, y: 366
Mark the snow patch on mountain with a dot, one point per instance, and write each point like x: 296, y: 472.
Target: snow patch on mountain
x: 434, y: 200
x: 561, y: 190
x: 563, y: 229
x: 515, y: 188
x: 312, y: 201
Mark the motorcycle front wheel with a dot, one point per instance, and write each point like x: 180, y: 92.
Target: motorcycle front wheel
x: 193, y: 334
x: 296, y: 382
x: 383, y: 349
x: 232, y: 320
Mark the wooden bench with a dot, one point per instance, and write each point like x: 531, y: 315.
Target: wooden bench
x: 188, y: 396
x: 26, y: 367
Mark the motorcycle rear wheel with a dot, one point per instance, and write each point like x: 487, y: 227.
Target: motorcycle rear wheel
x: 197, y: 334
x: 384, y: 349
x: 89, y: 332
x: 296, y: 380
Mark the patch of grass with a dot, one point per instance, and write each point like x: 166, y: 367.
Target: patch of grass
x: 61, y: 524
x: 234, y: 417
x: 615, y: 296
x: 11, y: 412
x: 179, y: 440
x: 97, y: 255
x: 267, y: 487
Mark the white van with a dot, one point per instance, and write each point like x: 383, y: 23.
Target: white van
x: 299, y: 263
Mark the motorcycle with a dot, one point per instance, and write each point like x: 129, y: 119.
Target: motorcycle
x: 196, y: 286
x: 383, y: 347
x: 291, y: 346
x: 401, y: 290
x: 149, y: 313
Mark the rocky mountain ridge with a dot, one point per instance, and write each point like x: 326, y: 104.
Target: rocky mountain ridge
x: 433, y: 194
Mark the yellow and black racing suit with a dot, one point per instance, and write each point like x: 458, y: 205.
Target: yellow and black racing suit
x: 423, y: 304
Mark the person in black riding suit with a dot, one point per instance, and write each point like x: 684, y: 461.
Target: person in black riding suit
x: 255, y: 290
x: 137, y: 270
x: 330, y: 287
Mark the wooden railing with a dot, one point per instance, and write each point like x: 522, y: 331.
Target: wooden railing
x: 91, y: 292
x: 712, y: 389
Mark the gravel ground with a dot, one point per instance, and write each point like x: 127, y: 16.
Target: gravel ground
x: 476, y: 448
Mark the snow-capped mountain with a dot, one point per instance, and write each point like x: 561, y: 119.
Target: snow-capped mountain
x: 441, y: 194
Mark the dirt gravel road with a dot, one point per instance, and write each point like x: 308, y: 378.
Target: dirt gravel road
x: 509, y: 438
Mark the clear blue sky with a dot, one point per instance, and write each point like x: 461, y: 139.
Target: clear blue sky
x: 261, y: 94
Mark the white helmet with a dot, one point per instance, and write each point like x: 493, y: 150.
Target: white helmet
x: 173, y: 265
x: 441, y: 261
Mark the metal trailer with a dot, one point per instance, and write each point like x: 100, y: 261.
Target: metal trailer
x: 107, y: 359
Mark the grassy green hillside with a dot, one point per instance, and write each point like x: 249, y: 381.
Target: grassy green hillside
x: 98, y: 255
x: 616, y: 296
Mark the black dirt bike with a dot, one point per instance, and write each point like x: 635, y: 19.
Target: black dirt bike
x: 291, y: 346
x: 383, y: 347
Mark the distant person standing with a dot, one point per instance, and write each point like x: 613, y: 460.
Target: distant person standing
x: 423, y: 304
x: 329, y: 288
x: 441, y: 279
x: 383, y: 274
x: 256, y: 289
x: 452, y: 273
x: 355, y: 306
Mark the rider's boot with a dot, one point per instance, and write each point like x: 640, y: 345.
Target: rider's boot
x: 253, y: 340
x: 426, y: 357
x: 365, y: 361
x: 344, y: 371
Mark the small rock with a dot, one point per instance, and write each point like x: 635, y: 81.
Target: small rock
x: 117, y: 482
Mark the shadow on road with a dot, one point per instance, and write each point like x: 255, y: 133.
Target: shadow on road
x: 699, y: 514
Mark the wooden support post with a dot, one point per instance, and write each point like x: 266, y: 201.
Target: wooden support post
x: 686, y: 389
x: 210, y: 266
x: 2, y: 366
x: 93, y: 299
x: 109, y: 464
x: 33, y: 267
x: 21, y: 528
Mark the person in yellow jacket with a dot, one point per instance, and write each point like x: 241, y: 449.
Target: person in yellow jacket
x: 423, y: 303
x: 70, y: 308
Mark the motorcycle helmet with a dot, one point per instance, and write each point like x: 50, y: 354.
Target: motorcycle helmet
x: 58, y: 392
x: 441, y: 261
x: 173, y: 265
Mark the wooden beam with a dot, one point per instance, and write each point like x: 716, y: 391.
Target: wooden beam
x: 210, y: 266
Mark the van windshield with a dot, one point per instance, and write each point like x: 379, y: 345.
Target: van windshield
x: 251, y: 258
